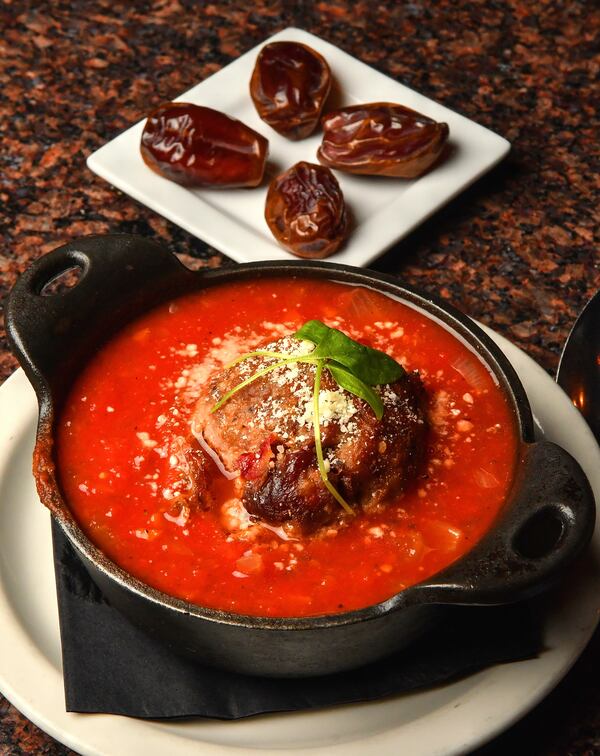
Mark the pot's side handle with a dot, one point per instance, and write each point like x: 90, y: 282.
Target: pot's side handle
x: 549, y: 523
x: 112, y: 269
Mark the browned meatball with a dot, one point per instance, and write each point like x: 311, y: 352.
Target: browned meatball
x: 265, y: 432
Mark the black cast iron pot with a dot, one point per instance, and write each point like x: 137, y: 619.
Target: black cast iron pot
x: 546, y: 522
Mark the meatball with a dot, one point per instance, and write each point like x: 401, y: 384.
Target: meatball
x: 265, y: 432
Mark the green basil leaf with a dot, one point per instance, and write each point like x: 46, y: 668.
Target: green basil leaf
x: 312, y: 330
x: 370, y: 365
x: 346, y: 380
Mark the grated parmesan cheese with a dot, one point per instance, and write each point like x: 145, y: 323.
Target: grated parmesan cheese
x: 333, y: 405
x: 144, y: 437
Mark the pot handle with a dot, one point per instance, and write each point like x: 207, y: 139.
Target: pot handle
x: 113, y: 263
x: 548, y: 522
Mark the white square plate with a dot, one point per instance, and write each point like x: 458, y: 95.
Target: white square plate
x: 232, y: 220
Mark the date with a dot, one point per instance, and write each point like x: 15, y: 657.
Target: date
x: 289, y: 85
x: 381, y: 139
x: 198, y: 146
x: 306, y: 212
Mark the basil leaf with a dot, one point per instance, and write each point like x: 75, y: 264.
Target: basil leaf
x: 346, y: 380
x: 312, y: 330
x: 370, y: 365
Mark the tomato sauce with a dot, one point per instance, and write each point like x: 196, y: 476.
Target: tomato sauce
x: 142, y: 386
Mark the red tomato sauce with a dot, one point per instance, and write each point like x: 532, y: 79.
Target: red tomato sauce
x: 142, y: 386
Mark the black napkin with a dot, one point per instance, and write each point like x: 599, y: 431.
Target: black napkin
x: 112, y: 667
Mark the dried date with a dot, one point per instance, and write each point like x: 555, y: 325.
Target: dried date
x: 198, y: 146
x: 305, y: 211
x: 289, y: 86
x: 381, y: 139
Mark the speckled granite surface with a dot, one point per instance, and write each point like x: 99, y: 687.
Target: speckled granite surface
x: 519, y: 250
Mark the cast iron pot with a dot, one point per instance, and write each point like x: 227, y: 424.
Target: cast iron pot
x: 546, y: 522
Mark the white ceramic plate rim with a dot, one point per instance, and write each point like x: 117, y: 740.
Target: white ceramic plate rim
x: 385, y: 210
x: 448, y: 720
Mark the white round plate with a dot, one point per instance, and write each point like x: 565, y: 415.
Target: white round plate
x: 446, y: 720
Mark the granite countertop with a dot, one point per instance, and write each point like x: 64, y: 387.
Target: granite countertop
x: 516, y: 251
